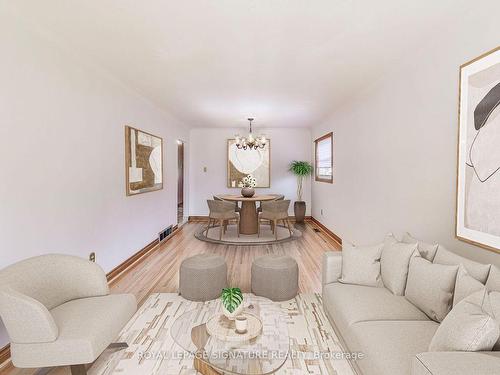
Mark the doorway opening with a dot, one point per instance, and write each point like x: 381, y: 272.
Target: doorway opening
x: 180, y: 182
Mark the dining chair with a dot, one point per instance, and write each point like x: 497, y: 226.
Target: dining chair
x: 274, y: 211
x: 277, y: 197
x: 236, y: 207
x: 222, y: 211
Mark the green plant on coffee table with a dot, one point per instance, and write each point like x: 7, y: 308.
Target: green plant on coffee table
x: 231, y: 298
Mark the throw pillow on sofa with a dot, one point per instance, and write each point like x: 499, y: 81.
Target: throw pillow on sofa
x: 426, y: 250
x: 470, y: 326
x: 477, y: 270
x: 430, y: 287
x: 465, y: 285
x: 361, y: 265
x: 394, y: 265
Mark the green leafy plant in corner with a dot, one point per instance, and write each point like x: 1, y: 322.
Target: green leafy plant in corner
x: 300, y: 169
x: 231, y: 298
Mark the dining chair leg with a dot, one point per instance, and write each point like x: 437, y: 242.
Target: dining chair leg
x: 258, y: 227
x: 208, y: 227
x: 288, y: 224
x: 221, y: 222
x: 276, y: 229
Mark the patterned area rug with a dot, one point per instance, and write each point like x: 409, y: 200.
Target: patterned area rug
x: 314, y: 346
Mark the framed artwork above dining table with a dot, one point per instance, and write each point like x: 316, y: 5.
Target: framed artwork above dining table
x: 241, y: 162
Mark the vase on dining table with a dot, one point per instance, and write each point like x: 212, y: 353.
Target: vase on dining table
x: 247, y: 192
x: 247, y: 184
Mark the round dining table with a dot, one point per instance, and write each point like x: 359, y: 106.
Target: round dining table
x: 248, y: 212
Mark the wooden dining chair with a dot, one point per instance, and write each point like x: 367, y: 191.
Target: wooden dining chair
x: 222, y: 211
x: 274, y: 211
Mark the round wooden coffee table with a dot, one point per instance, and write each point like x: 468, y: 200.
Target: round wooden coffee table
x: 248, y: 213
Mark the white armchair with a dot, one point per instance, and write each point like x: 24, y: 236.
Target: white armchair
x: 58, y: 311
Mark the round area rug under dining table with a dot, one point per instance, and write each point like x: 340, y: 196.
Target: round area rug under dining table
x: 231, y: 237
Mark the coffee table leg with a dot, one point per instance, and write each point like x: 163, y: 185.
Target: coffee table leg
x: 204, y: 368
x: 248, y: 217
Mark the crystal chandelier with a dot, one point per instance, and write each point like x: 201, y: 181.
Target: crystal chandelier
x: 250, y: 142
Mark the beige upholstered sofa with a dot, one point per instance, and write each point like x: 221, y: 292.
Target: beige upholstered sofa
x: 58, y: 311
x: 393, y: 334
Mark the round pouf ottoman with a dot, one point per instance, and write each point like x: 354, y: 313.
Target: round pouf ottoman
x: 202, y: 277
x: 275, y: 277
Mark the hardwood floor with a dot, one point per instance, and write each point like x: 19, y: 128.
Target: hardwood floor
x: 158, y: 272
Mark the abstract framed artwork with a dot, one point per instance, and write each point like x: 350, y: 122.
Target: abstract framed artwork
x: 244, y: 162
x: 143, y: 161
x: 478, y: 176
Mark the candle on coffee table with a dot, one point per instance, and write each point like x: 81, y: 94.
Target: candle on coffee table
x: 241, y: 323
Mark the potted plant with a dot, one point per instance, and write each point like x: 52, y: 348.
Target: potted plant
x: 247, y: 184
x: 232, y: 302
x: 300, y: 169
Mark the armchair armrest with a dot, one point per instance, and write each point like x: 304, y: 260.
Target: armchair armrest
x: 331, y: 267
x: 456, y: 363
x: 26, y: 319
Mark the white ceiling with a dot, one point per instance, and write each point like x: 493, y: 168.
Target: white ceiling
x: 216, y: 62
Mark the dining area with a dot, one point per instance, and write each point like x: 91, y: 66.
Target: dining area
x: 246, y: 211
x: 257, y: 219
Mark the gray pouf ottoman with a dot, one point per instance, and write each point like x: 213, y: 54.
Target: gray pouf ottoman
x: 202, y: 277
x: 275, y: 277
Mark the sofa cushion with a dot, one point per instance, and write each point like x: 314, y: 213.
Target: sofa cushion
x: 394, y: 265
x: 465, y: 285
x: 86, y: 327
x: 495, y: 306
x: 469, y: 327
x: 361, y: 265
x: 430, y: 287
x: 349, y: 304
x: 426, y: 250
x: 456, y: 363
x: 493, y: 282
x: 477, y: 270
x: 389, y: 346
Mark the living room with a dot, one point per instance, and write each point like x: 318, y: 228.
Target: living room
x: 319, y: 174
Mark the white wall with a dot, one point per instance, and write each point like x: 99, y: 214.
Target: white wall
x: 396, y: 145
x: 209, y: 149
x: 62, y: 157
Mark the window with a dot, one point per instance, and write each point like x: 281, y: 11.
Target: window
x: 324, y: 158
